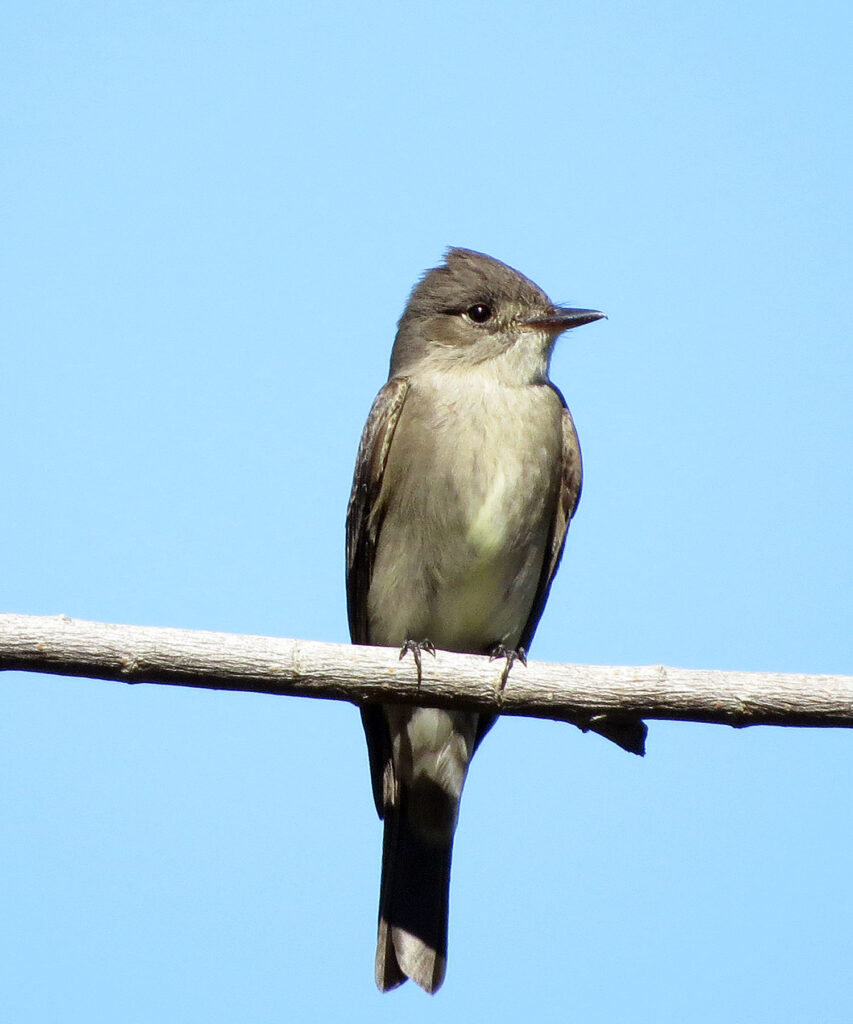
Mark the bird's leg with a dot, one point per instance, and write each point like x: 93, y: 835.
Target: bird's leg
x: 512, y: 655
x: 417, y: 647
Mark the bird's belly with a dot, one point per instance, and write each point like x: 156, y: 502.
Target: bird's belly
x: 487, y: 601
x: 473, y: 586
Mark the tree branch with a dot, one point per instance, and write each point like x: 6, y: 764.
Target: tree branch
x: 607, y: 699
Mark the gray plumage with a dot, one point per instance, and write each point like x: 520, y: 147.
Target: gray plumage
x: 468, y: 473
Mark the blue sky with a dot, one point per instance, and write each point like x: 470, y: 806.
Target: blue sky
x: 213, y: 214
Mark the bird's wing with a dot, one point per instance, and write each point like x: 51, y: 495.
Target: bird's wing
x: 571, y: 478
x: 364, y: 521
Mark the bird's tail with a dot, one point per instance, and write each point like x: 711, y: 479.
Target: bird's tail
x: 413, y: 905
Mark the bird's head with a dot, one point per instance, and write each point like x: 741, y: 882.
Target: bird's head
x: 472, y: 309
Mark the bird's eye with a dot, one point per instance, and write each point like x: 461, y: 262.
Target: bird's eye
x: 479, y: 313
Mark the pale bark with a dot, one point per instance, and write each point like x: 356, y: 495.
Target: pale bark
x: 599, y: 697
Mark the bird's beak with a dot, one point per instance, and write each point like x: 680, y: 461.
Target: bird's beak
x: 562, y: 319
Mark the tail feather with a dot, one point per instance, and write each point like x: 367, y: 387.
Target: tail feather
x: 413, y: 906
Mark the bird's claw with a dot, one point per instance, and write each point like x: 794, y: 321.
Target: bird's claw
x: 417, y: 647
x: 512, y: 655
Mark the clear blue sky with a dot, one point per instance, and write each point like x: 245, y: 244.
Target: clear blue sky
x: 213, y: 214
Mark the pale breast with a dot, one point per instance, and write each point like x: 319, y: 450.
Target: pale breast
x: 471, y: 483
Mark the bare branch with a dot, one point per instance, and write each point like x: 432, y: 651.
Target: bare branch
x: 591, y: 696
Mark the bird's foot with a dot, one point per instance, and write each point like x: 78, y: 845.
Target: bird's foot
x: 417, y: 647
x: 512, y: 655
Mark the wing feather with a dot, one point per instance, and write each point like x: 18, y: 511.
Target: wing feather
x: 364, y: 521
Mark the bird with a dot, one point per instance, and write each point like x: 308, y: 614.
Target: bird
x: 467, y: 476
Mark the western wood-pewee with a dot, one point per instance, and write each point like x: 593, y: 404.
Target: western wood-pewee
x: 468, y: 473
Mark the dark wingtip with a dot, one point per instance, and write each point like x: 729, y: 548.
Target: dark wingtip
x: 628, y: 733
